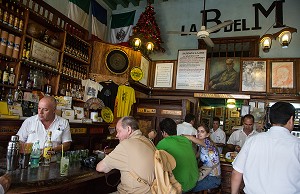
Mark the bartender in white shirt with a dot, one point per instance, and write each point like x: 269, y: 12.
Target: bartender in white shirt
x: 217, y: 134
x: 238, y: 137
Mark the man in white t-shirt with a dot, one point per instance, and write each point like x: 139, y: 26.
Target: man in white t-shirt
x: 269, y: 162
x: 217, y: 134
x: 238, y: 137
x: 186, y: 128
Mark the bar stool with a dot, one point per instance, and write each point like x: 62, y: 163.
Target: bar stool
x: 213, y: 191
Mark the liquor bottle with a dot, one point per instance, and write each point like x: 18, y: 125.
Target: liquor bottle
x: 5, y: 15
x: 35, y: 155
x: 2, y: 96
x: 21, y: 22
x: 11, y: 78
x: 10, y: 97
x: 24, y: 50
x: 62, y: 90
x: 5, y: 75
x: 68, y: 90
x: 47, y: 147
x: 47, y: 88
x: 11, y: 17
x: 28, y: 82
x: 18, y: 95
x: 21, y: 81
x: 17, y: 20
x: 28, y: 47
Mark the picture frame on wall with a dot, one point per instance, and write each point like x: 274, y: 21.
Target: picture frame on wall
x: 254, y: 76
x: 163, y: 75
x: 234, y: 114
x: 245, y: 110
x: 219, y: 112
x: 282, y: 74
x: 224, y: 74
x: 145, y: 63
x: 252, y: 105
x: 191, y: 67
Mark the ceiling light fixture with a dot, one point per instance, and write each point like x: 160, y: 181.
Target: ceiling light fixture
x: 230, y: 103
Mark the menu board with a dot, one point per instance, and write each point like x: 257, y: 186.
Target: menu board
x: 191, y: 69
x: 163, y: 75
x: 44, y: 53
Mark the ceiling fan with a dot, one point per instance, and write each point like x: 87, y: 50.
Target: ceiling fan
x: 204, y: 33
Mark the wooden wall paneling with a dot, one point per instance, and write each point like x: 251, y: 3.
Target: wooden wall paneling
x: 98, y: 69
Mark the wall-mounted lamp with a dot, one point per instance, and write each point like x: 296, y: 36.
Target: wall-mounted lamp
x: 284, y: 37
x: 136, y: 43
x: 230, y: 103
x: 142, y: 44
x: 266, y: 42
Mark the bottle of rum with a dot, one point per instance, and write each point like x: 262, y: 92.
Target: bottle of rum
x: 5, y: 75
x: 47, y: 147
x: 12, y: 76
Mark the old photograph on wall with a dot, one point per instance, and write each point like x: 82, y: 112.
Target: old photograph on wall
x: 224, y: 74
x: 254, y: 76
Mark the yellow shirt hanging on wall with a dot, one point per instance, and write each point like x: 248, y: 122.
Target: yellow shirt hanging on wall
x: 125, y: 99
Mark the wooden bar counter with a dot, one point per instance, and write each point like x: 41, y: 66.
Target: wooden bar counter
x: 47, y: 179
x: 226, y: 170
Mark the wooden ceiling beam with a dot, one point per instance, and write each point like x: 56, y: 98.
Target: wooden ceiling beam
x: 135, y: 2
x: 111, y: 4
x: 124, y: 3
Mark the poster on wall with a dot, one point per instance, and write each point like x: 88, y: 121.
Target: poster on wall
x: 191, y: 69
x: 254, y: 76
x: 163, y: 75
x: 145, y: 68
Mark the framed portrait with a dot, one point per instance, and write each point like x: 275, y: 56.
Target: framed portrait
x: 254, y: 76
x: 206, y: 111
x: 191, y: 66
x: 261, y: 105
x: 282, y: 75
x: 245, y: 110
x: 252, y: 105
x: 145, y: 63
x: 224, y: 74
x: 219, y: 111
x: 163, y: 75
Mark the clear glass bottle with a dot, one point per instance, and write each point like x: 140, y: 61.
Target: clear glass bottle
x: 10, y: 97
x: 35, y: 155
x: 18, y: 95
x: 47, y: 147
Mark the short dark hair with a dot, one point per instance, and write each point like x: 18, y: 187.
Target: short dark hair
x: 281, y: 112
x: 189, y: 117
x: 169, y: 126
x: 216, y: 119
x: 248, y: 116
x: 129, y: 121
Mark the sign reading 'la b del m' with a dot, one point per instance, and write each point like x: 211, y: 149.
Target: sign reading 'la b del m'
x: 242, y: 24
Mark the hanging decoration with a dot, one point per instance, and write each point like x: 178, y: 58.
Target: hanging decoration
x: 146, y: 34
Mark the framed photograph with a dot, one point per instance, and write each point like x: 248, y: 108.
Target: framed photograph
x: 191, y: 66
x: 245, y: 110
x: 206, y: 111
x: 254, y: 76
x: 282, y: 75
x: 261, y: 105
x: 224, y: 74
x: 252, y: 106
x: 234, y: 114
x: 163, y: 75
x: 219, y: 112
x: 145, y: 63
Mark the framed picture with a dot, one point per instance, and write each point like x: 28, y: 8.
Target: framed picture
x: 191, y: 69
x: 261, y: 105
x: 145, y: 63
x: 163, y: 75
x: 219, y: 111
x: 282, y: 75
x: 245, y: 110
x: 206, y: 111
x: 234, y: 114
x: 224, y: 74
x: 254, y: 76
x: 252, y: 106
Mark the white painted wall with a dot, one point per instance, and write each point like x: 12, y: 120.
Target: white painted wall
x: 172, y: 14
